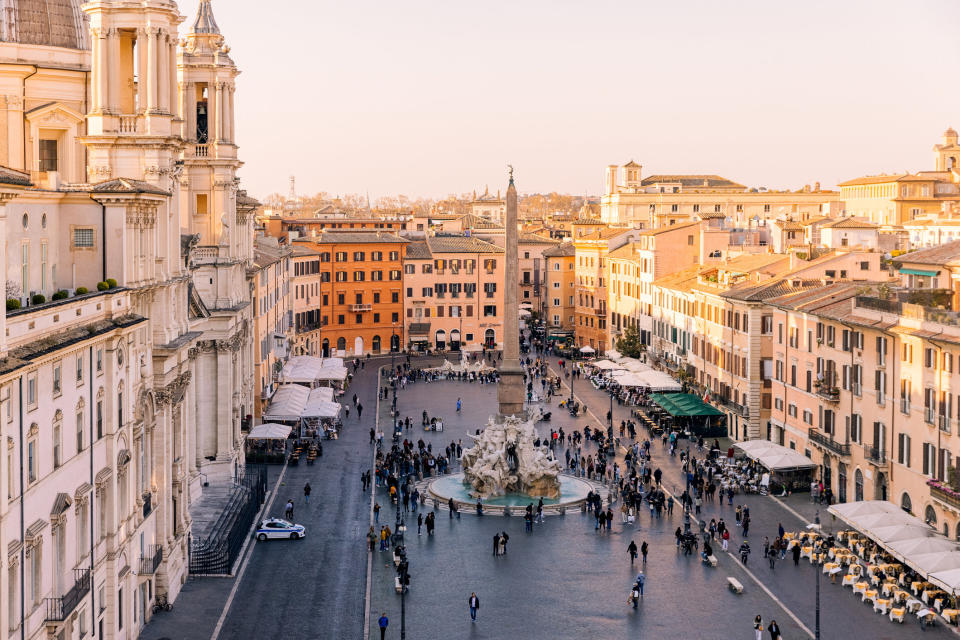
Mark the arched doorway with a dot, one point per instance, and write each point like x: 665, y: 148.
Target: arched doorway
x: 880, y: 491
x: 905, y: 503
x: 440, y: 339
x: 341, y: 344
x: 394, y: 342
x: 358, y: 346
x: 375, y: 347
x: 841, y: 482
x: 455, y: 340
x: 490, y: 338
x: 326, y: 348
x: 858, y: 486
x: 930, y: 516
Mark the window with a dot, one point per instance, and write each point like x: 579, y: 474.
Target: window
x: 395, y: 274
x: 929, y: 459
x: 79, y: 368
x: 31, y: 461
x: 766, y: 325
x: 376, y: 318
x: 79, y: 430
x: 376, y: 298
x: 48, y: 155
x: 359, y: 318
x: 394, y: 255
x: 359, y: 276
x: 201, y: 204
x: 341, y: 298
x: 395, y: 316
x: 341, y: 319
x: 99, y: 419
x: 341, y: 276
x: 56, y: 379
x: 394, y: 297
x: 57, y: 442
x: 341, y: 256
x: 489, y: 310
x: 358, y: 256
x: 903, y: 449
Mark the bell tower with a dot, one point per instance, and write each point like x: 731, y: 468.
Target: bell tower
x: 131, y: 124
x: 948, y: 153
x: 206, y: 104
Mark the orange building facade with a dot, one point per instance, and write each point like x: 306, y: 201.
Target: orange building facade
x: 355, y: 286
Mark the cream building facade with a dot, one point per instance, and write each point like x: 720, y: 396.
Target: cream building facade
x: 661, y: 200
x: 107, y: 436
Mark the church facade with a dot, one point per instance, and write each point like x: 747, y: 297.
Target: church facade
x: 128, y: 255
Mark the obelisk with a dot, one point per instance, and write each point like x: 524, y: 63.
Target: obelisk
x: 510, y: 391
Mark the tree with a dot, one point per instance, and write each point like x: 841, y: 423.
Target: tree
x: 629, y: 343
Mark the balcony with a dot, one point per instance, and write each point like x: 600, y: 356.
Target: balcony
x: 360, y: 307
x: 830, y: 394
x: 59, y: 609
x: 150, y: 561
x: 942, y: 492
x: 127, y: 124
x: 600, y: 312
x: 876, y: 457
x: 826, y: 442
x: 201, y: 150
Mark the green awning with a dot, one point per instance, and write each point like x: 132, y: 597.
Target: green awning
x: 684, y: 404
x: 918, y: 272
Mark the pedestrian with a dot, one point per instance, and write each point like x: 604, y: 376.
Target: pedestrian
x: 758, y: 627
x: 796, y: 554
x: 773, y: 559
x: 474, y: 603
x: 383, y: 622
x: 288, y: 511
x: 744, y: 552
x: 306, y: 493
x: 644, y: 548
x: 774, y: 630
x: 371, y: 539
x: 496, y: 544
x: 504, y: 538
x: 359, y: 411
x: 641, y: 580
x: 726, y: 539
x: 632, y: 550
x: 429, y: 522
x: 419, y: 523
x: 459, y: 405
x: 376, y: 512
x: 766, y: 546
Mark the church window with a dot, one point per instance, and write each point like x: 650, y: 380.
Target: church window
x: 48, y: 155
x: 201, y: 208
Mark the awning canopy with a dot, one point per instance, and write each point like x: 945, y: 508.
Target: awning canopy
x: 773, y: 456
x: 658, y: 381
x: 907, y: 538
x: 587, y: 349
x: 419, y: 329
x: 293, y: 402
x: 918, y: 272
x: 310, y: 369
x: 269, y: 431
x: 684, y: 404
x: 606, y: 365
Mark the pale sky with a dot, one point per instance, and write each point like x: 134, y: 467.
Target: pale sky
x: 427, y: 98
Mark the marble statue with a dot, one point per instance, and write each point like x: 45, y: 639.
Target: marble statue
x: 505, y: 460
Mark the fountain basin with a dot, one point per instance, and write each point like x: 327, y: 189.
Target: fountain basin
x: 573, y: 491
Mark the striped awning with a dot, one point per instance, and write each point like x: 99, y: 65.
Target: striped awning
x: 918, y: 272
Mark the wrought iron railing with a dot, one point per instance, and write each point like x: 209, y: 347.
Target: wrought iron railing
x: 827, y: 442
x: 58, y: 609
x: 150, y: 561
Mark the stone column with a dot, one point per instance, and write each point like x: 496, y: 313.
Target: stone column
x: 99, y: 70
x: 152, y: 34
x: 233, y: 114
x: 224, y: 401
x: 171, y: 78
x: 143, y: 71
x: 218, y: 115
x: 113, y: 66
x: 190, y: 111
x: 510, y: 391
x: 163, y: 73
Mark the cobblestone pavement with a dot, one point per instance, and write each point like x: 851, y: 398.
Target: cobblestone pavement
x: 565, y: 580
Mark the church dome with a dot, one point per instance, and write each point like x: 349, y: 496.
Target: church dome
x: 50, y: 23
x: 950, y: 133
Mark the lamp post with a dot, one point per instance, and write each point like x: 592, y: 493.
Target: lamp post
x: 816, y: 520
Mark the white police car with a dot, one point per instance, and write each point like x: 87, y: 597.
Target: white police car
x: 277, y: 528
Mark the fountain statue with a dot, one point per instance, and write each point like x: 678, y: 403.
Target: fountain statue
x: 505, y: 460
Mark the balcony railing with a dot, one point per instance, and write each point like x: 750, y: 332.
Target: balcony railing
x: 943, y: 493
x: 127, y: 124
x: 59, y: 609
x: 827, y: 442
x: 361, y: 307
x: 830, y: 394
x: 201, y: 150
x: 150, y: 561
x: 874, y: 455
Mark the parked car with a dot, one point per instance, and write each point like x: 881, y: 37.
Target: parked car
x: 277, y: 528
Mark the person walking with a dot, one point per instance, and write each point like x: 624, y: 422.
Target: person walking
x: 744, y: 552
x: 796, y: 554
x: 359, y: 411
x: 496, y: 544
x: 772, y: 557
x: 774, y: 630
x: 419, y: 523
x: 474, y: 603
x: 632, y: 550
x: 758, y: 627
x: 641, y: 580
x: 376, y: 512
x: 288, y: 511
x: 644, y: 548
x: 383, y: 622
x: 371, y: 539
x: 459, y: 405
x: 306, y: 493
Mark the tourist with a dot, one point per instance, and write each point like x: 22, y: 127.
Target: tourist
x: 359, y: 411
x: 774, y: 630
x: 744, y: 551
x: 474, y: 604
x: 429, y: 522
x: 376, y: 512
x: 383, y: 622
x: 758, y: 627
x: 641, y: 579
x: 644, y: 549
x: 306, y: 493
x: 504, y: 538
x: 632, y: 550
x: 496, y: 544
x: 371, y: 539
x: 288, y: 511
x: 796, y: 554
x: 419, y: 523
x: 459, y: 405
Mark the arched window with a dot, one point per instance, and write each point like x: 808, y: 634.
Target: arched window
x: 930, y: 516
x: 341, y: 344
x: 905, y: 503
x: 376, y: 344
x: 841, y: 482
x: 858, y: 486
x: 325, y: 348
